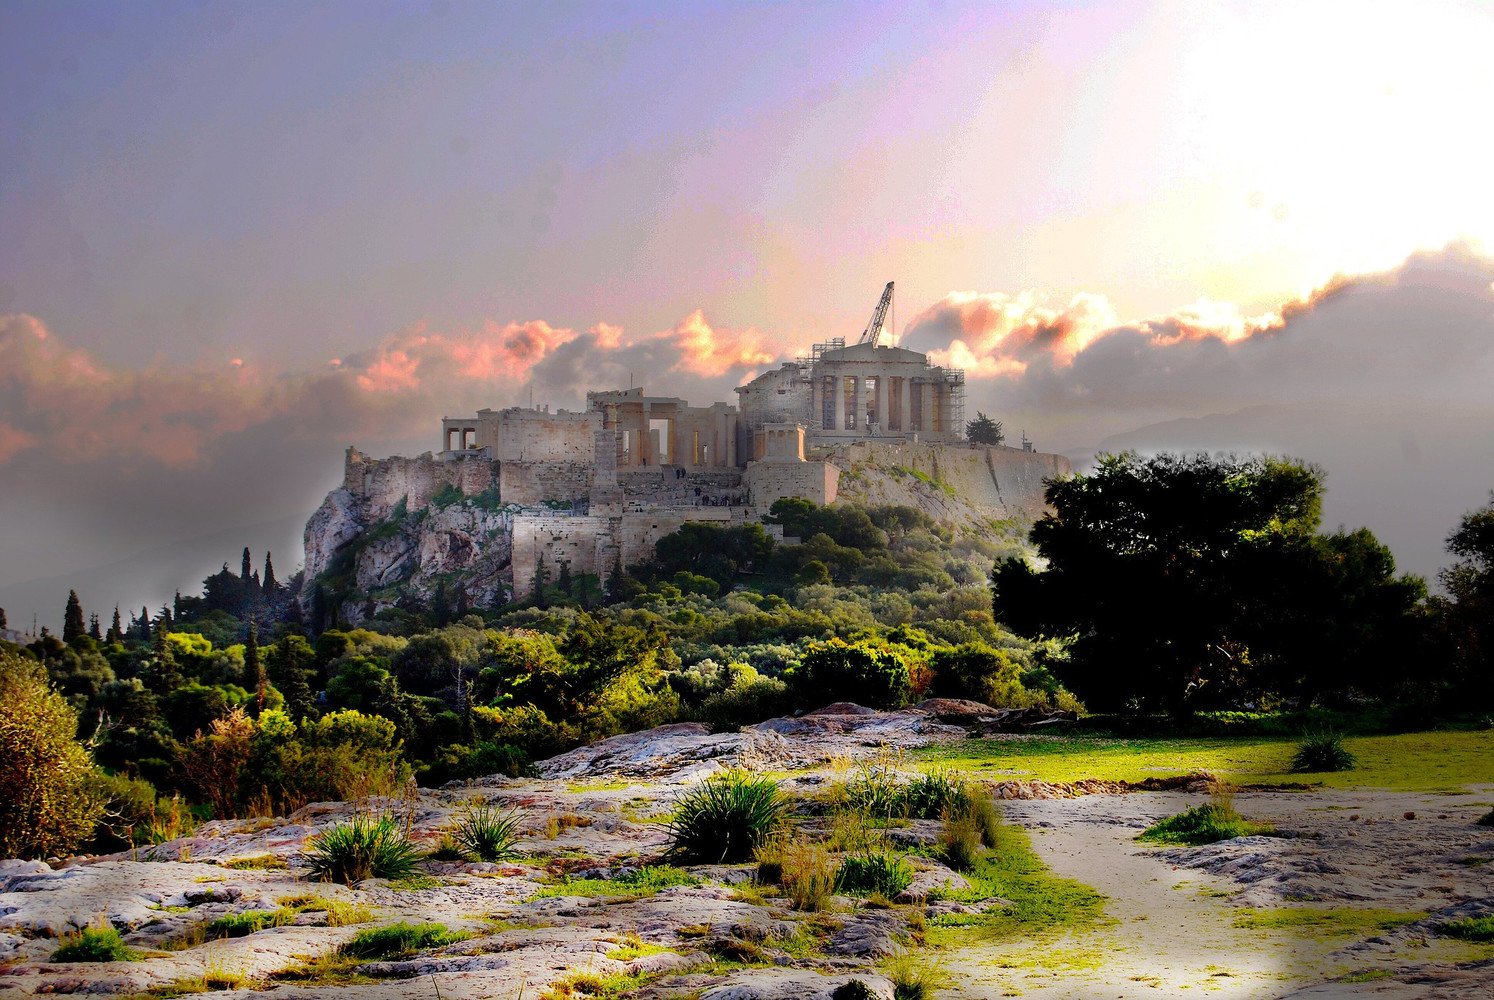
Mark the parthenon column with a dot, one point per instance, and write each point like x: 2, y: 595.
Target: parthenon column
x: 646, y: 439
x: 840, y: 402
x: 926, y: 419
x: 731, y: 440
x: 906, y: 406
x: 816, y: 402
x: 882, y: 403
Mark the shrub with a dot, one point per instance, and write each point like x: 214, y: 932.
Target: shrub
x: 1479, y: 929
x: 129, y: 812
x: 1205, y: 824
x: 1323, y: 750
x: 875, y: 790
x: 866, y: 674
x: 726, y: 817
x: 398, y: 939
x: 362, y: 848
x: 960, y: 841
x: 1487, y: 819
x: 931, y: 795
x: 882, y: 873
x: 982, y: 812
x: 807, y: 874
x: 100, y: 943
x: 50, y: 798
x: 853, y: 989
x: 484, y: 834
x: 749, y: 698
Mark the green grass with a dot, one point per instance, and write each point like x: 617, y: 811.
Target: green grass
x: 645, y: 882
x: 1333, y: 922
x: 95, y: 944
x: 361, y: 848
x: 1476, y: 929
x: 1205, y: 824
x: 1040, y: 900
x: 1430, y: 761
x: 396, y: 940
x: 241, y: 924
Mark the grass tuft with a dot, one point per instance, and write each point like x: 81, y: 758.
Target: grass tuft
x: 100, y: 943
x: 1478, y: 929
x: 881, y: 873
x: 1206, y: 824
x: 1322, y: 751
x: 914, y: 978
x: 362, y: 848
x: 396, y: 940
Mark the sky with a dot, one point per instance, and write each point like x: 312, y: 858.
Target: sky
x: 235, y: 239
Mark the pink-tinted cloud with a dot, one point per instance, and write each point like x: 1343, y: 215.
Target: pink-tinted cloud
x: 709, y: 352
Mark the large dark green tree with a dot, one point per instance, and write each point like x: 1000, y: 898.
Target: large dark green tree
x: 984, y: 430
x: 1191, y: 581
x: 1468, y: 611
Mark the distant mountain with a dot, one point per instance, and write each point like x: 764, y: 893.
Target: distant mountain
x: 151, y: 577
x: 1407, y: 471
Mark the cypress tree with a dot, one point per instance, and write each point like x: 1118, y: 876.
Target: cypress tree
x: 615, y: 580
x: 461, y: 603
x: 254, y: 669
x: 244, y: 573
x: 4, y: 625
x: 564, y: 580
x: 441, y: 611
x: 538, y: 587
x: 116, y: 630
x: 144, y: 623
x: 164, y: 675
x: 72, y: 618
x: 269, y: 582
x: 93, y: 628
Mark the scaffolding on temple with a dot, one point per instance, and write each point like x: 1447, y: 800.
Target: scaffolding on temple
x: 955, y: 379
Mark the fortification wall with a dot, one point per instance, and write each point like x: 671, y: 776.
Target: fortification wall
x: 379, y: 484
x: 583, y: 541
x: 770, y: 481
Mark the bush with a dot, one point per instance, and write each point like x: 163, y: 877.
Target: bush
x: 1478, y: 929
x: 50, y: 798
x: 750, y: 698
x: 1205, y: 824
x: 362, y: 848
x: 726, y: 818
x: 931, y: 795
x: 868, y: 675
x: 484, y: 834
x: 807, y: 874
x: 1323, y: 750
x: 398, y: 939
x: 100, y: 943
x: 1487, y: 819
x: 882, y: 873
x: 241, y: 924
x: 129, y: 812
x: 853, y: 989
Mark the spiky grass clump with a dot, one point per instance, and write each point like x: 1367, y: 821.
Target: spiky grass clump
x: 395, y: 940
x: 726, y: 817
x: 1206, y: 824
x: 100, y: 943
x: 362, y: 848
x: 930, y: 796
x: 960, y: 841
x: 485, y: 834
x: 881, y: 873
x: 1321, y: 751
x: 241, y: 924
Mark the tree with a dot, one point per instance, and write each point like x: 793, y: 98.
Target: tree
x: 269, y: 582
x: 720, y: 552
x: 537, y: 588
x: 245, y: 571
x: 116, y: 630
x: 563, y: 581
x: 984, y: 430
x: 1468, y: 612
x: 864, y: 673
x: 72, y: 618
x: 49, y: 797
x: 254, y: 669
x: 4, y: 625
x: 1190, y: 582
x: 93, y: 628
x: 440, y: 607
x: 290, y: 664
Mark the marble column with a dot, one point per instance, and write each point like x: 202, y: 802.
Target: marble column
x: 840, y: 402
x: 882, y: 395
x: 905, y: 406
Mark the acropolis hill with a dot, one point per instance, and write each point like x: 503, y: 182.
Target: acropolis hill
x: 509, y: 488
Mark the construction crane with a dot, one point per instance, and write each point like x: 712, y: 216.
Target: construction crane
x: 873, y: 331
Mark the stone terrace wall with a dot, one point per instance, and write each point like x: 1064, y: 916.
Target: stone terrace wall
x: 584, y: 541
x: 770, y: 481
x: 532, y: 483
x: 546, y: 438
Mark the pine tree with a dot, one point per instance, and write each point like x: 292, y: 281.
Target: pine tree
x: 537, y: 588
x: 440, y: 611
x: 984, y: 430
x: 290, y: 663
x: 269, y: 582
x: 164, y: 621
x: 144, y: 624
x: 462, y: 606
x: 164, y: 677
x: 116, y: 630
x: 4, y: 625
x: 615, y: 580
x: 563, y: 581
x: 72, y: 618
x: 254, y: 669
x: 244, y: 573
x: 93, y: 628
x: 176, y: 605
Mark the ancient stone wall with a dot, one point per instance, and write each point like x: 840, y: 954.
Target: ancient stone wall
x: 584, y: 541
x: 379, y: 484
x: 532, y: 483
x: 546, y: 438
x: 783, y: 394
x: 770, y: 481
